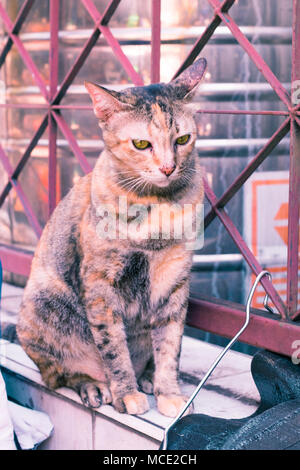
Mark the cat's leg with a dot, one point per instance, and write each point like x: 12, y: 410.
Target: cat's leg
x: 107, y: 327
x: 65, y: 356
x: 92, y: 393
x: 56, y: 374
x: 166, y: 339
x: 146, y: 379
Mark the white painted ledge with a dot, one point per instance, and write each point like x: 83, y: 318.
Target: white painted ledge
x: 229, y: 393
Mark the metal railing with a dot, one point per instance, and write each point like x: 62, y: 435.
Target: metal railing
x: 274, y: 332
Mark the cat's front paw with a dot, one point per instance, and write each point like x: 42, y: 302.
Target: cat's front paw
x: 135, y: 403
x: 94, y: 394
x: 171, y: 405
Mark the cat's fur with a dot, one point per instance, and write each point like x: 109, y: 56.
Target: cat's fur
x: 105, y: 317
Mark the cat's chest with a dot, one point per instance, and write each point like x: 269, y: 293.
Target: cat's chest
x: 148, y: 278
x: 143, y: 278
x: 166, y: 268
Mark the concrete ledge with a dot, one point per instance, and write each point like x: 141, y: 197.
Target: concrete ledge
x: 229, y: 393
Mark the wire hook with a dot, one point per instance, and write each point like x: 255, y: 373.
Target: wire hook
x: 223, y: 352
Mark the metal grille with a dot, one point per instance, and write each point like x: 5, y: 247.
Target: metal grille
x: 277, y: 332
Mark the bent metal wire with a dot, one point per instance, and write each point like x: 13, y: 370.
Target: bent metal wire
x: 221, y: 355
x: 274, y: 332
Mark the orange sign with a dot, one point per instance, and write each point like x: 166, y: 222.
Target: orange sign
x: 266, y: 227
x: 282, y: 215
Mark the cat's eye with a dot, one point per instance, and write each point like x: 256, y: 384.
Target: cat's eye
x: 141, y: 144
x: 183, y: 139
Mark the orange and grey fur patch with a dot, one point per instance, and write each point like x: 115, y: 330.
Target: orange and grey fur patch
x: 106, y: 316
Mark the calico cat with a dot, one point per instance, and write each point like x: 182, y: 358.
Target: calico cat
x: 105, y: 315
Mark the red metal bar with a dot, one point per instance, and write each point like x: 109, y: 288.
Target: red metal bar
x: 16, y: 260
x: 204, y: 38
x: 155, y: 41
x: 294, y: 183
x: 23, y: 198
x: 124, y: 61
x: 21, y: 17
x: 52, y: 166
x: 106, y: 16
x: 112, y: 42
x: 244, y: 249
x: 88, y: 46
x: 16, y: 172
x: 249, y: 170
x: 293, y: 221
x: 72, y: 141
x: 253, y: 54
x: 23, y: 53
x: 44, y: 106
x: 226, y: 318
x: 53, y: 62
x: 243, y: 112
x: 89, y: 107
x: 67, y: 81
x: 54, y: 46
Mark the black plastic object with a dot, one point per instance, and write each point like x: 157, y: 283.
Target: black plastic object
x: 274, y: 426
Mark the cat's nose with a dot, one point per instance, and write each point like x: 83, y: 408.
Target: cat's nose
x: 168, y: 170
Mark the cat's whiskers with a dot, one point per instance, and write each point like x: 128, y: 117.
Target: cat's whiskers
x: 138, y: 184
x: 124, y: 182
x: 133, y: 184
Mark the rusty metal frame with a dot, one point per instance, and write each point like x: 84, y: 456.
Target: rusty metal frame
x: 276, y: 333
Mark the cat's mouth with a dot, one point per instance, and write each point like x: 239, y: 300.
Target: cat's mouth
x: 146, y: 183
x: 160, y: 181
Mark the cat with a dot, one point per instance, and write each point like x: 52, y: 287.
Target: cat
x: 105, y: 315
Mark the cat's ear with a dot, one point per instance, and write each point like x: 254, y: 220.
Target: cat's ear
x: 105, y: 102
x: 186, y: 84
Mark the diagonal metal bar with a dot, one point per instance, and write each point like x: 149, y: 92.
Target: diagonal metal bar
x: 16, y: 172
x: 21, y: 17
x: 204, y: 38
x: 81, y: 58
x: 96, y: 15
x: 247, y: 172
x: 5, y: 192
x: 113, y: 43
x: 86, y: 167
x: 253, y: 54
x: 23, y: 53
x: 295, y: 316
x: 19, y: 190
x: 123, y: 59
x: 244, y: 249
x: 67, y: 81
